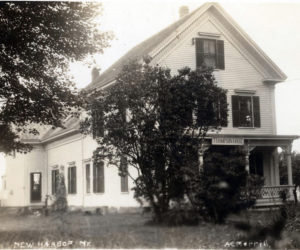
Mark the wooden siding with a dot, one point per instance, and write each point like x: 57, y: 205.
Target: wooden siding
x: 79, y: 149
x: 241, y: 72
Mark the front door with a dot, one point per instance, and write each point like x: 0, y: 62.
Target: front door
x: 35, y: 187
x: 257, y: 163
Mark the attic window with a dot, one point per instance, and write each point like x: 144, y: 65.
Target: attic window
x: 209, y: 53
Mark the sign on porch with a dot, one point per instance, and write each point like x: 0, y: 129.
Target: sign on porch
x: 227, y: 141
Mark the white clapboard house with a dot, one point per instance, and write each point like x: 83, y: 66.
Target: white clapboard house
x: 207, y: 35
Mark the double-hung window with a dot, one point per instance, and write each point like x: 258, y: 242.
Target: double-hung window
x: 209, y: 53
x: 245, y: 111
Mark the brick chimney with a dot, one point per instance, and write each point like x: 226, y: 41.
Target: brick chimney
x: 95, y: 74
x: 183, y: 11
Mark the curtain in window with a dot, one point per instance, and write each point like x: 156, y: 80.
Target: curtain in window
x: 210, y: 53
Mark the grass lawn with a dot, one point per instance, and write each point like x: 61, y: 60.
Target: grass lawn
x: 76, y: 230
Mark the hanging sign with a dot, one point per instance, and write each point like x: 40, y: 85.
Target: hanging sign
x: 227, y: 141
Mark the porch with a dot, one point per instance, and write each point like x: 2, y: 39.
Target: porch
x: 271, y: 195
x: 262, y: 158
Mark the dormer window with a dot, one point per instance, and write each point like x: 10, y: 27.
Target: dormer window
x: 209, y: 53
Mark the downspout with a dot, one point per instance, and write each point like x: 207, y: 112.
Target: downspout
x: 24, y: 184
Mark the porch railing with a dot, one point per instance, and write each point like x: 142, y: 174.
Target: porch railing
x: 274, y: 192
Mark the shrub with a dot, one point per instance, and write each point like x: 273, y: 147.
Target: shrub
x: 220, y: 187
x: 181, y: 214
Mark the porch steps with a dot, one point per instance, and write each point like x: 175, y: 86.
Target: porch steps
x: 266, y: 204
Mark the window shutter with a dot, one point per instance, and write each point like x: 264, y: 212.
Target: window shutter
x: 101, y: 178
x: 53, y: 182
x: 69, y: 180
x: 31, y: 187
x: 256, y: 111
x: 220, y: 62
x: 74, y: 180
x: 124, y: 183
x: 94, y: 179
x: 124, y: 177
x: 98, y: 178
x: 55, y: 174
x: 235, y: 111
x: 56, y: 180
x: 87, y: 178
x: 199, y: 52
x: 222, y: 109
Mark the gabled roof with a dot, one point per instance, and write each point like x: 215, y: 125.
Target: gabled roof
x: 71, y: 124
x: 47, y: 133
x: 145, y: 48
x: 137, y: 52
x: 159, y: 41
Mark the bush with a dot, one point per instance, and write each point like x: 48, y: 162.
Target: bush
x: 181, y: 214
x: 292, y: 211
x: 220, y: 187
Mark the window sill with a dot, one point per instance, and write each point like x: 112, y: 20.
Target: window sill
x: 72, y: 194
x: 91, y: 194
x: 246, y: 127
x: 214, y: 69
x: 127, y: 192
x: 36, y: 202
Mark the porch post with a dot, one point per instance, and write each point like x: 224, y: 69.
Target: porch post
x: 200, y: 157
x: 248, y: 150
x: 247, y: 167
x: 201, y: 151
x: 288, y: 152
x: 276, y: 167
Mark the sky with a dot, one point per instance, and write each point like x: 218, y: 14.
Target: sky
x: 273, y: 25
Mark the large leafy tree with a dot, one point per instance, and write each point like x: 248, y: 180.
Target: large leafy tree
x: 157, y: 122
x: 38, y: 41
